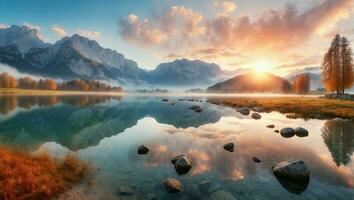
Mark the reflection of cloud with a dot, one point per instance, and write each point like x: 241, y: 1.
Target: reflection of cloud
x: 183, y: 29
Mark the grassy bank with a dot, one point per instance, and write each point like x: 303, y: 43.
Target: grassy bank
x: 27, y: 176
x: 305, y: 107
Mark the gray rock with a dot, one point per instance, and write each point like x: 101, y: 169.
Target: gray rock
x: 221, y: 195
x: 195, y: 107
x: 255, y: 159
x: 208, y: 187
x: 292, y: 169
x: 270, y: 126
x: 287, y: 132
x: 301, y: 132
x: 198, y: 110
x: 183, y: 165
x: 125, y: 190
x: 256, y: 116
x: 244, y: 110
x: 257, y: 109
x: 143, y: 149
x: 172, y: 185
x: 174, y: 160
x: 229, y: 146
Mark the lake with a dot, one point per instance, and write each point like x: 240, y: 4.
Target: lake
x: 107, y: 130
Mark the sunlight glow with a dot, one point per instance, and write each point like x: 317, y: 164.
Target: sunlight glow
x: 262, y: 65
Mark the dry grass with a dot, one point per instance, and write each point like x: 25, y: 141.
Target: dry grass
x: 26, y: 176
x: 305, y: 107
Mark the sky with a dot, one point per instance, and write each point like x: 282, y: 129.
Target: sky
x: 279, y: 36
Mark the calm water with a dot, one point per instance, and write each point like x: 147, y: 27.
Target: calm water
x: 107, y: 131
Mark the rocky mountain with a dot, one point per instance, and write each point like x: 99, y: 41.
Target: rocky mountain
x: 185, y: 72
x: 251, y: 82
x: 314, y: 74
x: 78, y: 57
x: 23, y: 36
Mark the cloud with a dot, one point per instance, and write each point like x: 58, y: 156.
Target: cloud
x: 182, y: 31
x: 3, y: 26
x: 14, y: 72
x: 60, y: 31
x: 94, y: 35
x: 313, y: 60
x: 36, y: 28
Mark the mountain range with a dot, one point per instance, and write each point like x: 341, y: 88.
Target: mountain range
x: 79, y: 57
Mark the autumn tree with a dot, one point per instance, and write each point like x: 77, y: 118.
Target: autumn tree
x: 302, y: 84
x: 27, y: 83
x: 337, y: 66
x: 286, y: 86
x: 7, y: 81
x: 47, y: 84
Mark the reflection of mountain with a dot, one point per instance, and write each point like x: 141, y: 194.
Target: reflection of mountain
x: 77, y: 127
x: 339, y: 137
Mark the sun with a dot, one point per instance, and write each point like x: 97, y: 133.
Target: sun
x: 262, y: 65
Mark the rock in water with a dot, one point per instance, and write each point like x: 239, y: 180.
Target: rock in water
x: 256, y: 116
x: 183, y: 165
x: 125, y: 190
x: 221, y: 195
x: 198, y: 110
x: 293, y: 175
x: 208, y: 187
x: 195, y: 107
x: 270, y: 126
x: 229, y: 147
x: 287, y: 132
x: 174, y: 160
x: 293, y: 169
x: 172, y: 185
x: 301, y: 132
x: 143, y: 149
x: 257, y: 109
x: 164, y: 99
x: 277, y: 131
x: 244, y: 110
x: 255, y: 159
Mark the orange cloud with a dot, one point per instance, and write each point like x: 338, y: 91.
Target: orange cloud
x: 60, y: 31
x: 182, y: 31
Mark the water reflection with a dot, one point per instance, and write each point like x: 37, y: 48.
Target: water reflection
x: 339, y: 137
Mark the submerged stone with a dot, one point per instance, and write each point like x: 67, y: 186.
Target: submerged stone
x: 143, y: 149
x: 208, y: 187
x: 164, y: 99
x: 125, y: 190
x: 198, y: 110
x: 287, y: 132
x: 195, y: 107
x: 301, y: 132
x: 221, y: 195
x: 172, y: 185
x: 229, y: 146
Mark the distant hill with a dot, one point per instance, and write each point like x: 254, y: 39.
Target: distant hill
x: 314, y: 74
x: 251, y: 82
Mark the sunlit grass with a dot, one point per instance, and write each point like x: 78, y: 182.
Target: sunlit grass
x: 27, y: 176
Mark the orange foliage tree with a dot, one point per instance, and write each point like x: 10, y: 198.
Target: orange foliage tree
x: 7, y: 81
x: 302, y: 84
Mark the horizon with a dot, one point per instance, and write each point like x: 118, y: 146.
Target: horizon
x: 162, y: 31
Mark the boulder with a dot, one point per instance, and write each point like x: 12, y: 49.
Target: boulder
x: 229, y: 146
x: 183, y: 165
x: 244, y: 110
x: 172, y: 185
x: 164, y: 99
x: 292, y: 169
x: 198, y: 110
x: 174, y: 160
x: 255, y: 159
x: 143, y: 149
x: 256, y: 116
x: 270, y: 126
x: 287, y: 132
x: 301, y: 132
x: 221, y: 195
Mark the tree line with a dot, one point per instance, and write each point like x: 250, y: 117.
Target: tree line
x: 8, y: 81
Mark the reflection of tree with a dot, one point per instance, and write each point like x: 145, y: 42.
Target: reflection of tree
x: 339, y: 137
x: 7, y: 103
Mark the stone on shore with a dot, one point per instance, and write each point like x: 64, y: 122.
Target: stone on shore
x: 256, y: 116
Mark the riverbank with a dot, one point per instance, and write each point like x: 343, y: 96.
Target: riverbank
x: 27, y: 176
x: 17, y: 91
x: 304, y: 107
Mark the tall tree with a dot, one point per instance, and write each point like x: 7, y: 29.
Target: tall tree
x: 337, y: 66
x: 302, y: 84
